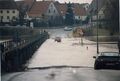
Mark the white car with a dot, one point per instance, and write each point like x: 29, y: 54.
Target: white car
x: 67, y: 29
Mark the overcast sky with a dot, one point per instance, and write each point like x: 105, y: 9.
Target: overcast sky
x: 75, y: 1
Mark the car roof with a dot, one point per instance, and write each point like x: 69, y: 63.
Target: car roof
x: 109, y: 54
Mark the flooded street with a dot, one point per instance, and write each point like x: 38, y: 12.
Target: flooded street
x: 69, y: 52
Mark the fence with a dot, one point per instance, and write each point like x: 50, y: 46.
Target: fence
x: 14, y: 55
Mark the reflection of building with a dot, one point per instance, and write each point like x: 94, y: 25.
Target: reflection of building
x: 8, y: 12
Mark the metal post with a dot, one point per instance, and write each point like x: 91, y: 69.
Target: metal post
x: 97, y: 28
x: 119, y: 19
x: 119, y: 30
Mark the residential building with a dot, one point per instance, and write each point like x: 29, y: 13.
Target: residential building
x: 8, y: 12
x: 50, y: 12
x: 85, y: 5
x: 97, y: 11
x: 46, y: 12
x: 80, y: 13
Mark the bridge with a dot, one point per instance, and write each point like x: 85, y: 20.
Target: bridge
x: 15, y: 54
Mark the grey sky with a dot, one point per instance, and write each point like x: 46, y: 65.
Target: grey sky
x: 75, y: 1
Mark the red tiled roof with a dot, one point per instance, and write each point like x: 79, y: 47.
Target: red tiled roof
x: 25, y: 2
x: 19, y: 3
x: 39, y: 8
x: 79, y: 10
x: 29, y: 2
x: 62, y: 9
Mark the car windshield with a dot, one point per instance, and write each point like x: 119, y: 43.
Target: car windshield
x: 57, y: 37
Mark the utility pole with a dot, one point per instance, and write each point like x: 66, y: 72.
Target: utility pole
x: 119, y: 30
x: 97, y: 28
x: 119, y: 20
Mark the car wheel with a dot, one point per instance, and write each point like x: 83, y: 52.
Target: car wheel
x: 118, y: 67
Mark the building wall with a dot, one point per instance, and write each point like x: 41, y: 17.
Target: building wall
x: 80, y: 18
x: 53, y: 15
x: 7, y: 15
x: 77, y: 17
x: 52, y: 11
x: 83, y: 18
x: 101, y: 13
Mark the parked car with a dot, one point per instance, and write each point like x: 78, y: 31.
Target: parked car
x: 107, y: 60
x: 67, y: 29
x: 58, y: 39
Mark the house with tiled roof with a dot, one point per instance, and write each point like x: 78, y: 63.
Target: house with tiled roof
x: 79, y: 11
x: 45, y: 11
x: 8, y: 12
x: 98, y: 11
x: 38, y: 9
x: 25, y: 3
x: 51, y: 11
x: 85, y: 5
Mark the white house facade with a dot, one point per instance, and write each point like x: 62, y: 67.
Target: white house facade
x: 8, y: 12
x: 8, y: 15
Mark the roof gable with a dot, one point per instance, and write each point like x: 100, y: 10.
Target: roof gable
x: 62, y: 8
x: 39, y: 8
x: 77, y: 9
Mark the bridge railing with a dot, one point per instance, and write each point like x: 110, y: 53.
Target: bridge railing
x: 15, y: 54
x: 10, y: 44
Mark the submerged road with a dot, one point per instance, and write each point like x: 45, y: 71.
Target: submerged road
x: 68, y: 52
x: 56, y: 56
